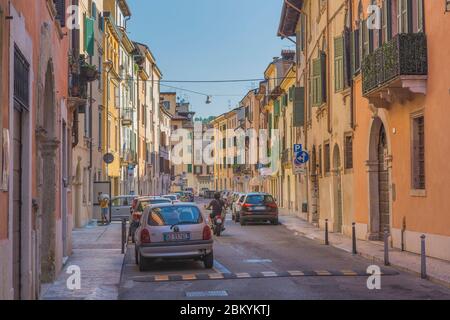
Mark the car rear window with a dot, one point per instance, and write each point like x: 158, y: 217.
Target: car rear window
x: 171, y: 197
x: 146, y: 203
x: 259, y: 199
x: 169, y: 216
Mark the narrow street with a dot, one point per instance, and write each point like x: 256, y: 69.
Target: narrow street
x: 267, y: 262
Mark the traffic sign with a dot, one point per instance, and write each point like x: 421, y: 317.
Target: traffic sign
x: 108, y: 158
x: 301, y: 156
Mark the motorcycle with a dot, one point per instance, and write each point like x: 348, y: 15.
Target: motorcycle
x: 217, y: 224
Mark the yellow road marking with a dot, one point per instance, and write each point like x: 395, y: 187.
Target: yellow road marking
x: 349, y: 273
x: 216, y: 276
x: 189, y: 277
x: 296, y: 273
x: 243, y: 275
x: 161, y: 278
x: 269, y: 274
x: 323, y: 273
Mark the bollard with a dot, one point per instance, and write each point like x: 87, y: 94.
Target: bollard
x: 124, y: 234
x: 327, y: 243
x: 386, y: 247
x: 354, y: 238
x: 423, y: 259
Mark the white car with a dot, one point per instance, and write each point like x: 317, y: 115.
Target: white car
x: 173, y: 231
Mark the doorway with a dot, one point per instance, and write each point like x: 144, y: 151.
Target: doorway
x: 379, y: 184
x: 17, y: 202
x: 337, y: 181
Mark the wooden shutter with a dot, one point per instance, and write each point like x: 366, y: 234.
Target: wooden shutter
x: 339, y: 63
x: 323, y: 77
x: 356, y: 52
x: 347, y: 58
x: 60, y: 6
x: 299, y: 106
x: 276, y: 107
x: 316, y: 83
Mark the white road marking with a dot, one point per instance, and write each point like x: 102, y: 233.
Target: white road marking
x: 199, y: 294
x: 220, y: 268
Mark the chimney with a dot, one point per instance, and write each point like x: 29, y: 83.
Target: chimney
x: 288, y: 55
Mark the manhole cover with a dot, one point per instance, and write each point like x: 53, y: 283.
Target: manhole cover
x: 201, y: 294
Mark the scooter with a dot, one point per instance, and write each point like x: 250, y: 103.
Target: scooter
x: 217, y: 225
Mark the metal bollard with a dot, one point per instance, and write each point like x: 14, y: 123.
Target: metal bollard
x: 327, y: 243
x: 423, y: 259
x: 386, y: 247
x: 124, y: 234
x: 354, y: 238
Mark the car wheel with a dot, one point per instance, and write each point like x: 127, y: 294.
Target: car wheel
x: 242, y: 222
x: 142, y: 263
x: 238, y: 218
x: 208, y: 260
x: 275, y: 222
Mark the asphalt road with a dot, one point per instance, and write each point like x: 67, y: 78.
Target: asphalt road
x: 266, y: 262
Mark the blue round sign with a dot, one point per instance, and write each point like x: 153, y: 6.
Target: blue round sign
x: 301, y: 158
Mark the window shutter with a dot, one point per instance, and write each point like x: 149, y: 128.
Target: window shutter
x: 347, y: 57
x: 339, y: 63
x: 299, y: 106
x: 323, y: 77
x: 291, y: 93
x: 60, y: 6
x: 89, y: 36
x: 316, y: 85
x: 276, y: 107
x: 420, y: 22
x: 285, y: 100
x: 94, y: 11
x: 356, y: 60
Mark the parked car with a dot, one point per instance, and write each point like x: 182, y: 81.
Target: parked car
x: 235, y: 205
x: 203, y: 192
x: 173, y: 231
x: 120, y: 207
x: 258, y: 207
x: 172, y: 197
x: 141, y: 204
x: 189, y: 196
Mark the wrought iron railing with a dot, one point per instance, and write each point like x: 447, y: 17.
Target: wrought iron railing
x: 405, y: 54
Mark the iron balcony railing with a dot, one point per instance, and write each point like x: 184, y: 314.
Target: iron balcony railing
x: 405, y: 54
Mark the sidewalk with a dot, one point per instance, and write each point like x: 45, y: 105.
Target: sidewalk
x: 438, y: 270
x: 96, y: 250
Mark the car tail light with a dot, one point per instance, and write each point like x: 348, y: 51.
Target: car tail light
x: 272, y: 205
x: 145, y: 236
x: 207, y: 233
x: 137, y: 216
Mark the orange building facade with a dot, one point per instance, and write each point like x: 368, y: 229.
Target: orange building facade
x: 35, y: 218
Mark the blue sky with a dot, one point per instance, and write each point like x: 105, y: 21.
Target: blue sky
x: 209, y: 40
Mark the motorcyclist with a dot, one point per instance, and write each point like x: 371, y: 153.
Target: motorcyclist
x: 218, y: 208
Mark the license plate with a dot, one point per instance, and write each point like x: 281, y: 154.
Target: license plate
x: 260, y: 208
x: 177, y: 236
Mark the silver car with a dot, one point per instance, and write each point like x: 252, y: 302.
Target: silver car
x: 173, y: 231
x: 120, y: 207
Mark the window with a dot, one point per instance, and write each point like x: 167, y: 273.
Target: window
x: 319, y: 83
x: 189, y: 168
x: 348, y: 152
x: 404, y: 16
x: 326, y: 154
x: 320, y: 171
x: 418, y: 153
x: 356, y: 52
x: 21, y: 79
x: 60, y: 6
x: 339, y: 63
x: 387, y: 21
x: 420, y: 19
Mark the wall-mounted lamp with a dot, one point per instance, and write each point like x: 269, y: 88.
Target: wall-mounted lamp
x: 447, y: 6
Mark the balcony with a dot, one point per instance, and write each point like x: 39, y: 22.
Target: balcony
x: 127, y: 117
x: 396, y: 70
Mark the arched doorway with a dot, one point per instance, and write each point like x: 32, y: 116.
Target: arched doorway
x: 48, y: 145
x: 337, y: 187
x: 379, y: 181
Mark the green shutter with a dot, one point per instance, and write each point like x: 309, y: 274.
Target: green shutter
x: 339, y: 63
x: 291, y: 93
x: 316, y: 83
x: 89, y: 36
x: 285, y: 100
x: 276, y: 107
x: 270, y: 125
x: 323, y: 77
x: 299, y: 107
x: 189, y: 168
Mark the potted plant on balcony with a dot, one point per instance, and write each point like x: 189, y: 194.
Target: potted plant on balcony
x: 89, y: 72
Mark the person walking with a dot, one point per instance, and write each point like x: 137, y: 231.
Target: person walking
x: 104, y: 206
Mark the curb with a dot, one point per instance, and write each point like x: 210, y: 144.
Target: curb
x: 432, y: 279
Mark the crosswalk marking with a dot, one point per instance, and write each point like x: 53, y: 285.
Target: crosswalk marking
x: 243, y: 275
x: 296, y: 273
x: 258, y: 275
